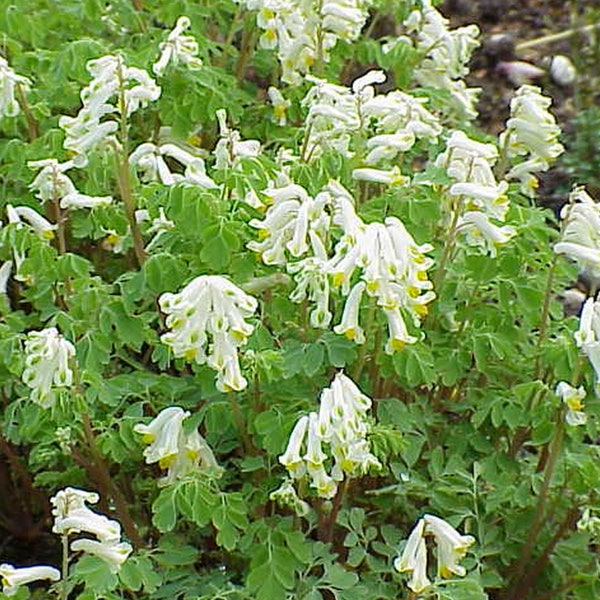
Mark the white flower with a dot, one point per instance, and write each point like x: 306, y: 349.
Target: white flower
x: 71, y: 515
x: 573, y: 398
x: 42, y: 227
x: 113, y: 553
x: 414, y: 559
x: 111, y: 80
x: 230, y: 147
x: 178, y: 48
x: 51, y: 183
x: 452, y: 546
x: 286, y: 495
x: 292, y: 458
x: 349, y: 326
x: 172, y: 448
x: 47, y: 356
x: 5, y: 270
x: 391, y: 177
x: 9, y: 81
x: 482, y: 232
x: 13, y: 578
x: 210, y: 307
x: 280, y: 105
x: 562, y: 70
x: 580, y: 239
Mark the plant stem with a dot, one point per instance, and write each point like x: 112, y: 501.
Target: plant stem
x: 544, y: 318
x: 335, y: 509
x: 555, y: 37
x: 109, y: 486
x: 33, y: 128
x: 241, y: 424
x: 64, y: 588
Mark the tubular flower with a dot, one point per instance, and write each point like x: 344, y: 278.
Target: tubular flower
x: 531, y: 131
x: 451, y: 548
x: 580, y: 239
x: 230, y: 148
x: 112, y: 553
x: 286, y: 495
x: 9, y: 82
x: 178, y: 48
x: 42, y: 227
x: 112, y: 81
x: 47, y: 356
x: 172, y: 448
x: 334, y: 439
x: 13, y: 578
x: 280, y: 105
x: 207, y: 326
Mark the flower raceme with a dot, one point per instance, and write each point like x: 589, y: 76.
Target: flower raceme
x: 451, y: 548
x: 47, y: 369
x: 178, y: 48
x: 72, y: 516
x: 168, y: 445
x: 207, y: 323
x: 341, y: 427
x: 113, y: 81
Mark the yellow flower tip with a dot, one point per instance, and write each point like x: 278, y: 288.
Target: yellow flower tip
x: 372, y: 286
x: 263, y: 234
x: 166, y: 461
x: 413, y: 291
x: 270, y: 34
x: 191, y: 454
x: 279, y: 111
x: 111, y: 238
x: 238, y: 336
x: 148, y: 438
x: 267, y: 13
x: 350, y: 333
x: 575, y: 404
x: 338, y: 279
x: 190, y: 354
x: 445, y: 573
x: 422, y: 275
x: 421, y: 309
x: 397, y: 344
x: 501, y: 199
x: 48, y: 234
x: 195, y: 140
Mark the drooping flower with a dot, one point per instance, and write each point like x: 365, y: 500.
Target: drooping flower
x: 178, y: 48
x: 47, y: 369
x: 113, y: 553
x: 231, y: 148
x: 207, y: 322
x: 40, y: 225
x: 9, y: 83
x: 13, y: 578
x: 451, y: 548
x: 172, y: 448
x: 71, y: 515
x: 286, y: 495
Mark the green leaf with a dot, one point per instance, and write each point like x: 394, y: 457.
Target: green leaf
x: 164, y: 512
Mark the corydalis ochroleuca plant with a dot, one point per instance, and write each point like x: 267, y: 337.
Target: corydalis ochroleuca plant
x: 178, y: 48
x: 341, y: 427
x: 207, y: 325
x: 115, y: 89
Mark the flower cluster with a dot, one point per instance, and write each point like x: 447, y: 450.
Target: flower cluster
x: 341, y: 425
x: 573, y: 398
x: 9, y: 83
x: 112, y: 80
x: 388, y: 123
x: 149, y: 160
x: 13, y: 578
x: 178, y: 48
x: 47, y: 356
x: 303, y: 32
x: 72, y: 515
x: 476, y: 195
x: 580, y: 239
x: 52, y: 184
x: 393, y: 269
x: 446, y: 54
x: 179, y: 452
x: 451, y: 548
x: 531, y: 131
x: 207, y: 326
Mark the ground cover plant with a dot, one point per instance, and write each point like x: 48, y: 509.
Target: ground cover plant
x: 278, y: 321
